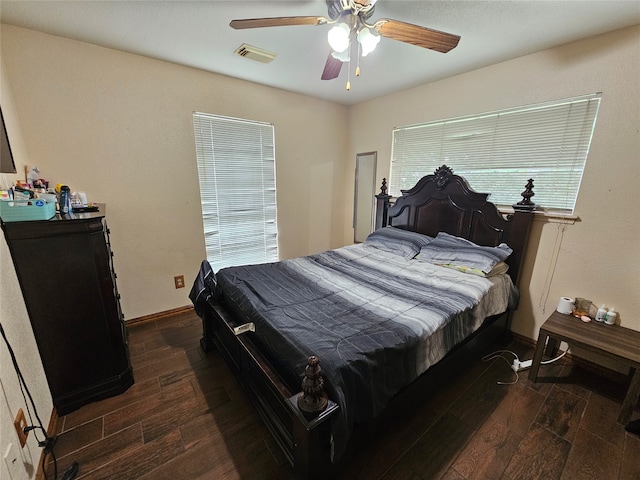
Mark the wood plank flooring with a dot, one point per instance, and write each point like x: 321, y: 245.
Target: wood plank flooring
x: 187, y: 418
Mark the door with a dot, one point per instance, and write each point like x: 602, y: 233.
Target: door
x: 365, y: 185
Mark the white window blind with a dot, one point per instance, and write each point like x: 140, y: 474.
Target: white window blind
x: 236, y: 169
x: 498, y: 152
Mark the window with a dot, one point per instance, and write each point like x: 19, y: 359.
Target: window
x: 236, y: 168
x: 499, y: 151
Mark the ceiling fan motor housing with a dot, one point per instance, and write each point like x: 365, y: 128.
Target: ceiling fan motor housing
x: 338, y: 8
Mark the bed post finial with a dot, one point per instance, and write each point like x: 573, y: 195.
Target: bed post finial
x: 313, y: 398
x: 383, y: 187
x: 526, y: 203
x: 382, y: 206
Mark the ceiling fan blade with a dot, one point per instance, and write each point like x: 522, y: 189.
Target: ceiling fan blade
x: 331, y: 68
x: 276, y: 22
x: 416, y: 35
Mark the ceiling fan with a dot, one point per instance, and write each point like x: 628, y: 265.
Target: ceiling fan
x: 351, y: 19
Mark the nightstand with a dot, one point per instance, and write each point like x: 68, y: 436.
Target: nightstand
x: 613, y: 341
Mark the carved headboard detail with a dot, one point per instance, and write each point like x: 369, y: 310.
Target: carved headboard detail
x: 444, y: 202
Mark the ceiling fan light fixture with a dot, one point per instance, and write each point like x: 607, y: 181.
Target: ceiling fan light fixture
x: 368, y: 40
x: 342, y: 56
x: 351, y: 18
x: 338, y: 37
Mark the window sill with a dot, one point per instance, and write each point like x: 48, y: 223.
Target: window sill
x: 546, y: 216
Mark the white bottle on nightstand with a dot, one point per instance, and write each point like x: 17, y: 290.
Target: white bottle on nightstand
x: 611, y: 316
x: 601, y: 314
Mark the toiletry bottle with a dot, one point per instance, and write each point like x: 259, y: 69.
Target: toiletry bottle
x: 611, y: 316
x: 601, y: 314
x: 64, y: 201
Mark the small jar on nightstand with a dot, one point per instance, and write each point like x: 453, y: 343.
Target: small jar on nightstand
x: 610, y: 319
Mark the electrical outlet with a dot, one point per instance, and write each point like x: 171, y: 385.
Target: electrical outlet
x: 179, y: 281
x: 14, y: 462
x: 21, y: 423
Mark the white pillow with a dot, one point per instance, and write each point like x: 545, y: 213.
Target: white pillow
x: 450, y: 250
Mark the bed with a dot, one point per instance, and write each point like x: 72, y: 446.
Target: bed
x: 325, y: 342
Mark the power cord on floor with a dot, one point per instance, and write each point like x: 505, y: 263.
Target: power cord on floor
x: 547, y: 362
x: 71, y: 472
x: 49, y: 442
x: 498, y: 354
x: 518, y: 365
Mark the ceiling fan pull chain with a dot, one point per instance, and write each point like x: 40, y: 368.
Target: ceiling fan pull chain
x: 349, y: 69
x: 358, y: 65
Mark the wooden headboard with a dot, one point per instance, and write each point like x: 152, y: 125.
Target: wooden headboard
x: 444, y: 202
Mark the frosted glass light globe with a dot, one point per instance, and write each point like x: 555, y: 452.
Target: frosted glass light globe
x: 338, y: 37
x: 368, y: 41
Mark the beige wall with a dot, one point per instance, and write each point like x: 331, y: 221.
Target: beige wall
x: 119, y: 127
x: 597, y: 257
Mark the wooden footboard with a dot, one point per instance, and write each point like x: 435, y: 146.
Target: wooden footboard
x: 304, y: 439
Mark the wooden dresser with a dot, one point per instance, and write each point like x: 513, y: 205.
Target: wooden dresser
x: 65, y: 270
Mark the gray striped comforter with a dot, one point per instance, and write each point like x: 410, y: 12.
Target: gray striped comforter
x: 375, y: 320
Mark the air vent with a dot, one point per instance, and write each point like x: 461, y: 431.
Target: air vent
x: 255, y: 53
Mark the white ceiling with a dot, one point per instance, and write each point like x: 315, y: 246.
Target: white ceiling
x: 197, y: 34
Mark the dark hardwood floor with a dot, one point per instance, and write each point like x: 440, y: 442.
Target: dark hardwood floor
x: 187, y: 418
